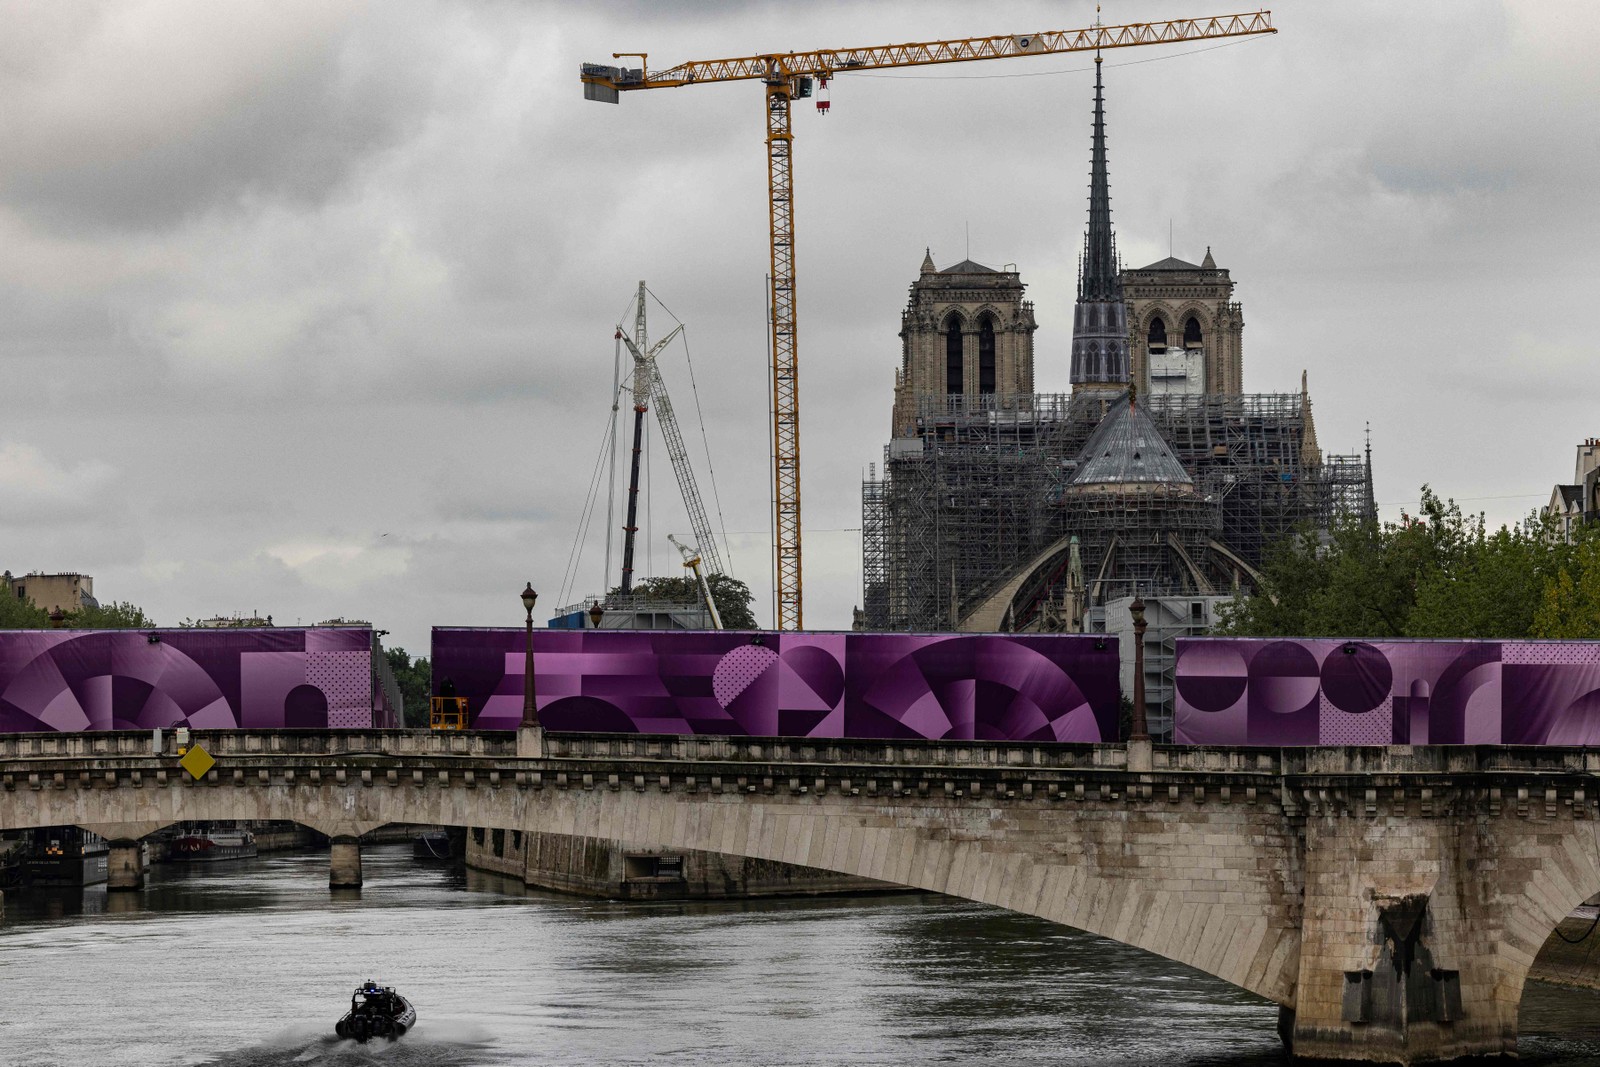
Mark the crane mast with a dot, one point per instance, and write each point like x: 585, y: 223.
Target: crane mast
x: 648, y: 389
x: 789, y: 75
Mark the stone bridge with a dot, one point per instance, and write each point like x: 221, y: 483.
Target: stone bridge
x: 1390, y: 900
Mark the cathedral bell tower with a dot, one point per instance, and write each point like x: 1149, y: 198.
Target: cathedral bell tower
x: 1100, y: 321
x: 966, y: 340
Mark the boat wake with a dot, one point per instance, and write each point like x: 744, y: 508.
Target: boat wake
x: 444, y: 1044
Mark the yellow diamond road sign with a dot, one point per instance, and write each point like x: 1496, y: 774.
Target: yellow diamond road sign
x: 197, y: 761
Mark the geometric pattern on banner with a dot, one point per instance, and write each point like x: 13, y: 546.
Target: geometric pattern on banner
x: 76, y: 680
x: 346, y: 683
x: 1549, y: 653
x: 1343, y: 728
x: 1386, y: 692
x: 1039, y: 687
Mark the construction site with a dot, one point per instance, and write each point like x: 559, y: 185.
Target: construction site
x: 1139, y: 503
x: 981, y: 489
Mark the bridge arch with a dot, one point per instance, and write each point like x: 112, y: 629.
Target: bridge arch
x: 1160, y: 879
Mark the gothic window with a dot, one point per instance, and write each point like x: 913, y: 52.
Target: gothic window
x: 1191, y: 333
x: 986, y: 355
x: 1158, y: 332
x: 954, y: 380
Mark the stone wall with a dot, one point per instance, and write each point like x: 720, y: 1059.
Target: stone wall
x: 1563, y: 962
x: 593, y: 867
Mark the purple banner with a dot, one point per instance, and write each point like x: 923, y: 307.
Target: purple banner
x: 826, y: 685
x: 71, y: 680
x: 1256, y: 691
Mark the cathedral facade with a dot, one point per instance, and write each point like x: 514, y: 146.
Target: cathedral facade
x: 1185, y: 330
x: 966, y: 332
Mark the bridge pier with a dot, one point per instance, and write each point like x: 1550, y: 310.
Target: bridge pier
x: 125, y: 865
x: 1406, y: 953
x: 344, y: 863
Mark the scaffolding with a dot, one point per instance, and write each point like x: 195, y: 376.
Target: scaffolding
x: 981, y: 487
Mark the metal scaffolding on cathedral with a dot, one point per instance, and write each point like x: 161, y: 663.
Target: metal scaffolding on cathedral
x: 1001, y: 509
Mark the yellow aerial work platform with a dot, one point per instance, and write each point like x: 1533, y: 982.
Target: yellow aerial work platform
x: 448, y: 713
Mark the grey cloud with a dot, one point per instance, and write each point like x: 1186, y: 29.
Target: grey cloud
x: 163, y: 134
x: 363, y: 275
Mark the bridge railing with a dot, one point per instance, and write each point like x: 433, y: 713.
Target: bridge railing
x: 949, y: 756
x: 221, y: 743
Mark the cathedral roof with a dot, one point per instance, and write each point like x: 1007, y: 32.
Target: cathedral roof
x: 1127, y: 447
x: 967, y: 266
x: 1174, y: 263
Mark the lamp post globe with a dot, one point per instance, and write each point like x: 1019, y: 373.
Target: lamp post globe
x: 530, y: 713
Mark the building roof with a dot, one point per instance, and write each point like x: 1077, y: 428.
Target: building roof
x: 1571, y: 496
x: 1173, y: 263
x: 1127, y: 447
x: 967, y: 266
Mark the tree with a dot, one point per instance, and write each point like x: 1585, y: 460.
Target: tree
x: 119, y: 615
x: 1569, y: 603
x: 732, y: 596
x: 1438, y: 574
x: 414, y: 677
x: 18, y: 614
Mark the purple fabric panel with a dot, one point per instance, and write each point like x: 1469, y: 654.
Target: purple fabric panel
x: 1330, y: 692
x: 71, y: 680
x: 825, y: 685
x: 337, y: 640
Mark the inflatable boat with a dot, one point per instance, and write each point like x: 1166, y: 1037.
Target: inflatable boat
x: 376, y: 1011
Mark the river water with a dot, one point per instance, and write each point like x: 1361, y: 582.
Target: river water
x: 248, y: 964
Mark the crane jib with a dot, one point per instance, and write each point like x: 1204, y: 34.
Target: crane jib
x: 827, y: 62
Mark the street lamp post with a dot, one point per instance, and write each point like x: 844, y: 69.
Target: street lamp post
x: 1141, y: 726
x: 530, y: 712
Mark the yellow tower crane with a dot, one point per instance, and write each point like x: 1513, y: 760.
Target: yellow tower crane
x: 794, y: 75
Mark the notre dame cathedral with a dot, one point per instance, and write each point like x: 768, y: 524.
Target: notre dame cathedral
x: 999, y: 508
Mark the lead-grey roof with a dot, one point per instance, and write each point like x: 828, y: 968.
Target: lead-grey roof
x: 966, y: 266
x: 1126, y: 448
x: 1172, y: 263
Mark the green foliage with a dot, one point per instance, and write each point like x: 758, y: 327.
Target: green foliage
x: 732, y: 596
x: 119, y: 615
x: 16, y: 614
x: 1439, y: 574
x: 415, y: 680
x: 1569, y: 604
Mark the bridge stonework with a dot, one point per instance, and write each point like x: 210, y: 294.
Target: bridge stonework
x: 1391, y: 901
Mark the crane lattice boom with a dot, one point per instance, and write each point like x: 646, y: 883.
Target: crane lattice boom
x: 827, y: 62
x: 785, y: 76
x: 692, y: 503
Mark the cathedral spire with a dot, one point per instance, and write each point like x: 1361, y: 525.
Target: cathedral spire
x: 1100, y: 322
x: 1098, y: 280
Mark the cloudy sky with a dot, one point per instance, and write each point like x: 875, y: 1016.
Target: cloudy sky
x: 306, y: 308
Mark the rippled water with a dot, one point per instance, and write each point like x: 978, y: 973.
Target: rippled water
x: 250, y: 963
